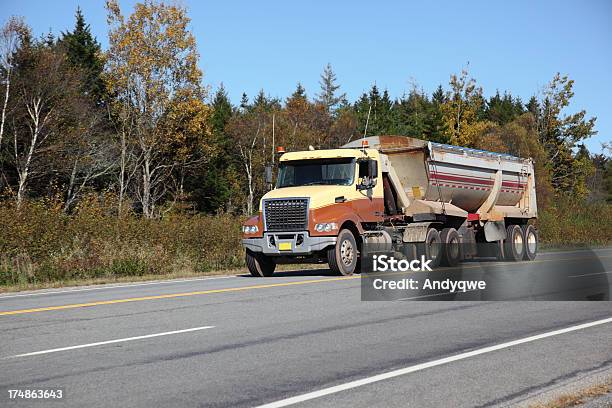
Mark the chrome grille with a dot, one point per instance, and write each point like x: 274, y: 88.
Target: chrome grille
x: 286, y: 214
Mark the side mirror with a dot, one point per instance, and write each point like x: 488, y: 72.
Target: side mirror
x: 368, y: 168
x: 368, y: 172
x: 268, y: 174
x: 372, y: 169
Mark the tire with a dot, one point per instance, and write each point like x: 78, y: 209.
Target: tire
x: 532, y: 242
x: 450, y: 247
x: 514, y: 244
x: 342, y: 257
x: 431, y: 248
x: 259, y: 265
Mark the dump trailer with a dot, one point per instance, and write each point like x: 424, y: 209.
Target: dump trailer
x: 451, y: 203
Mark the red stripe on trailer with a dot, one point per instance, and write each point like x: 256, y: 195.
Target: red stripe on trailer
x: 473, y: 217
x: 515, y: 185
x: 438, y: 176
x: 474, y: 180
x: 455, y: 174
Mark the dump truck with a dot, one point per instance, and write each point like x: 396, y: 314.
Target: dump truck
x: 445, y: 200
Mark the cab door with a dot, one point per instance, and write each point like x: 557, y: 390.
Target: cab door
x: 369, y: 205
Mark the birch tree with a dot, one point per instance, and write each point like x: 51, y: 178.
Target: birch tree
x: 87, y: 154
x: 10, y: 36
x: 46, y: 90
x: 247, y: 130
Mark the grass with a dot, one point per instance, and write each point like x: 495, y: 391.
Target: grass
x: 577, y: 398
x: 146, y: 278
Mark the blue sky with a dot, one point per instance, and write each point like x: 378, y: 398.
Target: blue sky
x: 516, y: 46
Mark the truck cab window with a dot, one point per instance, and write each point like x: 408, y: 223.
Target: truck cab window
x: 334, y: 171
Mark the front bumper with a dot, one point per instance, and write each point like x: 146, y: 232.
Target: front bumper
x: 307, y: 246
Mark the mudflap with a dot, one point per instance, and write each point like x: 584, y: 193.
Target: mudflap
x: 495, y: 231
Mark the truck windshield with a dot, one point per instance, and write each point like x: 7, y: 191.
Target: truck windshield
x: 316, y: 172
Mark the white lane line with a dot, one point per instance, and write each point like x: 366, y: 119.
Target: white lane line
x: 130, y: 285
x: 590, y: 274
x: 100, y: 343
x: 419, y: 367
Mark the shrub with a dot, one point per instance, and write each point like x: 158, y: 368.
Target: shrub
x: 39, y: 243
x: 570, y: 222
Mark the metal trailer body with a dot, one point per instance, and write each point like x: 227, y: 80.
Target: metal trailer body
x: 456, y: 181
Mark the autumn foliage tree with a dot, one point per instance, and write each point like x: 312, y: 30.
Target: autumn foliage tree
x: 152, y: 69
x: 461, y: 108
x: 560, y: 135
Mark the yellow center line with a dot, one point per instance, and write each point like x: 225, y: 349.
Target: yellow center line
x: 244, y: 288
x: 172, y: 295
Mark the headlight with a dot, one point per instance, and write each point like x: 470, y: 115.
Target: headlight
x: 326, y: 227
x: 250, y: 229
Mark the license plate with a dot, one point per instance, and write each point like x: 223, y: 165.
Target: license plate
x: 284, y: 246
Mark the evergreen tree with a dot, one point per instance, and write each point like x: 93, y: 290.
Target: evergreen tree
x: 361, y: 108
x: 244, y: 102
x: 533, y: 106
x: 299, y: 93
x: 48, y: 40
x: 502, y: 109
x: 211, y: 186
x: 328, y: 96
x: 222, y: 110
x: 418, y: 116
x: 438, y: 97
x: 376, y: 111
x: 384, y: 113
x: 437, y: 125
x: 265, y: 103
x: 411, y: 115
x: 84, y: 51
x: 260, y: 101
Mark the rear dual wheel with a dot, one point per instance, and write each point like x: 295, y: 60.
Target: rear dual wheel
x: 450, y: 247
x: 432, y: 247
x: 521, y: 243
x: 514, y: 244
x: 530, y: 235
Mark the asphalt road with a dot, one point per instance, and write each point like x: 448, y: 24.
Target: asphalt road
x: 242, y: 341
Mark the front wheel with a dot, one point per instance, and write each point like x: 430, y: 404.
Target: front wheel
x: 342, y: 258
x: 259, y: 265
